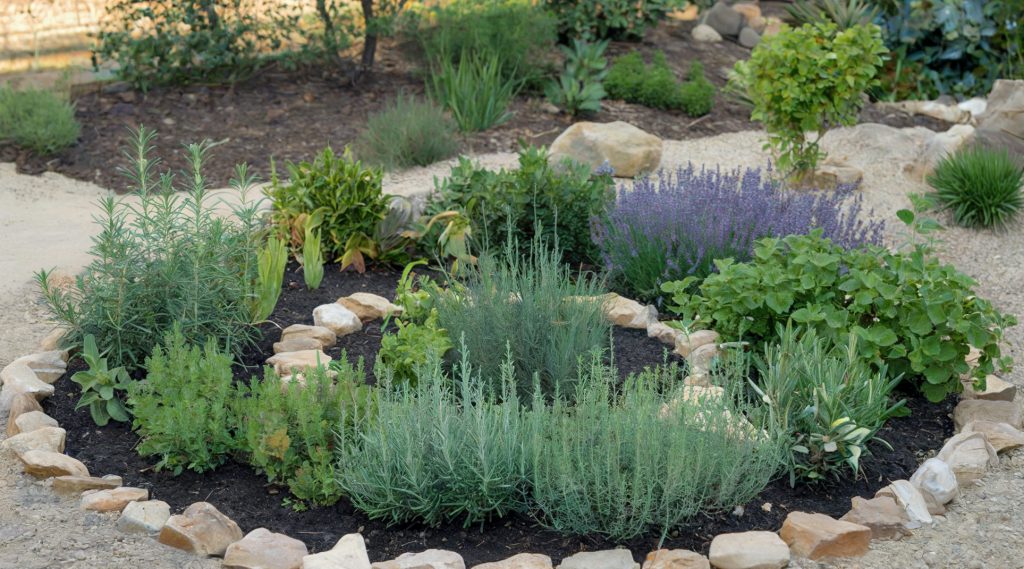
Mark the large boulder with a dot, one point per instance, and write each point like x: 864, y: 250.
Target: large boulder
x: 816, y: 536
x: 1004, y: 112
x: 628, y: 150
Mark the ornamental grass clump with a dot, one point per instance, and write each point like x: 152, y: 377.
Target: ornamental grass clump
x: 676, y: 226
x: 981, y: 187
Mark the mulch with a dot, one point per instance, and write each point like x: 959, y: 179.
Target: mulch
x: 246, y: 496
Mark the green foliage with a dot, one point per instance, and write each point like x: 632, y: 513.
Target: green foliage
x: 656, y: 86
x: 475, y: 90
x: 401, y: 352
x: 810, y: 79
x: 183, y: 409
x: 101, y: 386
x: 162, y: 257
x: 287, y: 428
x: 697, y: 96
x: 824, y: 400
x: 270, y: 265
x: 40, y: 121
x: 338, y: 196
x: 578, y: 89
x: 536, y: 200
x: 980, y: 186
x: 845, y: 14
x: 409, y: 132
x: 616, y: 19
x: 530, y: 306
x: 312, y: 259
x: 910, y: 313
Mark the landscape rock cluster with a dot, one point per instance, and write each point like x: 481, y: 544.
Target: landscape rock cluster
x: 741, y: 22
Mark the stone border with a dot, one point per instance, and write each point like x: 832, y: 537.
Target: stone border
x: 987, y: 423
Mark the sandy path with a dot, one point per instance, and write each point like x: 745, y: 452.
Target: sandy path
x: 45, y: 222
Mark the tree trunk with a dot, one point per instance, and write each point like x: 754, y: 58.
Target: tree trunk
x: 370, y: 41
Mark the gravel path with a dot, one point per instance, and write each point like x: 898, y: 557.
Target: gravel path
x: 45, y: 222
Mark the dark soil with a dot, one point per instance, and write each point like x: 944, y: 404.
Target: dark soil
x: 291, y: 116
x: 245, y: 496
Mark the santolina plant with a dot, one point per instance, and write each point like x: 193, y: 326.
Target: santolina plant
x: 674, y: 226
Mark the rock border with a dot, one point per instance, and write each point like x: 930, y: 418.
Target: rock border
x: 987, y: 423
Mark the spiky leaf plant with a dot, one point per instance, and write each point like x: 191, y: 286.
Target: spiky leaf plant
x: 980, y: 186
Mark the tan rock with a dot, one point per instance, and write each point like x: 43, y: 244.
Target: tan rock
x: 829, y: 175
x: 19, y: 405
x: 146, y: 517
x: 47, y: 464
x: 687, y: 14
x: 287, y: 363
x: 369, y: 306
x: 817, y: 536
x: 262, y: 549
x: 748, y: 9
x: 33, y: 420
x: 972, y: 357
x: 996, y: 389
x: 687, y: 343
x: 885, y: 518
x: 982, y: 410
x: 52, y: 340
x: 113, y: 500
x: 936, y: 480
x: 19, y: 378
x: 48, y: 366
x: 910, y: 498
x: 607, y: 559
x: 628, y: 150
x: 1001, y: 436
x: 944, y: 144
x: 49, y: 439
x: 348, y: 553
x: 337, y: 319
x: 676, y: 559
x: 934, y: 109
x: 700, y: 359
x: 521, y: 561
x: 664, y: 333
x: 325, y: 336
x: 704, y: 33
x: 75, y: 485
x: 627, y: 313
x: 749, y: 550
x: 297, y: 344
x: 429, y: 559
x: 970, y: 456
x: 200, y: 529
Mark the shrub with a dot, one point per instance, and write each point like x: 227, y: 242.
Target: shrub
x: 578, y: 89
x: 183, y: 409
x: 811, y: 79
x: 530, y: 307
x: 845, y: 14
x: 338, y: 196
x: 287, y: 428
x: 536, y: 200
x: 824, y: 400
x: 101, y: 386
x: 697, y: 96
x: 163, y: 259
x: 679, y: 225
x: 410, y: 346
x: 40, y: 121
x: 647, y: 456
x: 656, y: 85
x: 910, y: 313
x: 617, y: 19
x: 474, y: 90
x: 626, y: 76
x: 407, y: 133
x: 980, y: 186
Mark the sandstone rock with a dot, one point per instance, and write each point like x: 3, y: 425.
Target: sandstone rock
x: 1005, y: 109
x: 75, y: 485
x: 975, y: 105
x: 325, y: 336
x: 348, y: 553
x: 369, y: 306
x: 995, y: 390
x: 200, y: 529
x: 627, y: 313
x: 429, y: 559
x: 664, y: 333
x: 50, y: 439
x: 869, y: 144
x: 676, y: 559
x: 885, y: 518
x: 970, y: 456
x: 146, y: 517
x: 19, y: 378
x: 934, y: 109
x: 705, y: 34
x: 48, y: 366
x: 724, y: 19
x: 749, y: 38
x: 33, y: 420
x: 749, y: 10
x: 687, y: 14
x: 47, y: 464
x: 262, y: 549
x: 982, y: 410
x: 830, y: 175
x: 337, y: 319
x: 297, y: 344
x: 287, y: 363
x: 20, y: 404
x: 700, y: 358
x: 972, y: 357
x: 628, y: 150
x: 816, y: 536
x: 749, y: 550
x: 942, y: 145
x: 607, y: 559
x: 1001, y: 436
x: 935, y: 478
x: 771, y: 26
x: 687, y: 343
x: 52, y: 340
x: 909, y: 497
x: 521, y: 561
x: 113, y: 500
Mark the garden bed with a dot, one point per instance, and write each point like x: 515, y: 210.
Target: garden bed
x: 244, y: 495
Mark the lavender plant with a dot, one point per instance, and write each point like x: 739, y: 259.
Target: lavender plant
x: 674, y: 226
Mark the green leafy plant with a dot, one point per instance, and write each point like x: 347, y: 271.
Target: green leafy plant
x: 165, y: 256
x: 981, y: 187
x: 40, y: 121
x: 410, y: 346
x: 824, y: 400
x: 656, y: 86
x: 475, y: 91
x: 616, y: 19
x: 845, y: 14
x: 409, y: 132
x: 578, y: 88
x: 697, y: 95
x: 810, y: 79
x: 270, y: 265
x: 911, y: 315
x: 183, y: 409
x: 101, y: 386
x: 312, y: 259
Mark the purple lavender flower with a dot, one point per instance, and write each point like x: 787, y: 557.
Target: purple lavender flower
x: 673, y: 226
